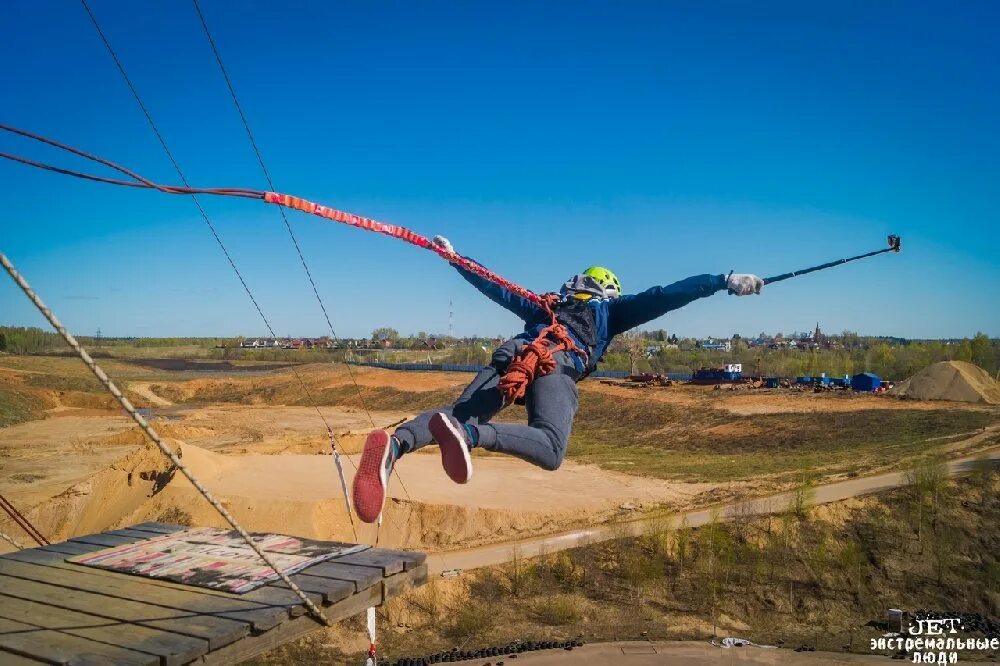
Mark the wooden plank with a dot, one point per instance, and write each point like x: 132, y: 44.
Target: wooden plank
x: 61, y: 592
x: 294, y: 629
x: 268, y: 596
x: 11, y: 659
x: 362, y: 577
x: 55, y: 647
x: 162, y: 528
x: 411, y: 558
x: 396, y: 585
x: 137, y: 535
x: 171, y: 649
x: 389, y: 562
x: 282, y: 597
x: 331, y: 589
x: 104, y: 540
x: 196, y: 599
x: 68, y: 548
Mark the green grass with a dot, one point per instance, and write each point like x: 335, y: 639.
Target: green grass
x: 18, y: 406
x: 288, y: 391
x: 668, y: 441
x: 49, y: 371
x: 86, y: 383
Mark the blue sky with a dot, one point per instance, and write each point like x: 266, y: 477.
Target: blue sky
x: 659, y: 139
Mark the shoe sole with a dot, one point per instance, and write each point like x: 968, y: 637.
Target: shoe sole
x: 369, y: 486
x: 455, y: 456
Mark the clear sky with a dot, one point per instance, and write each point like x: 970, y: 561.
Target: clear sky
x: 661, y: 139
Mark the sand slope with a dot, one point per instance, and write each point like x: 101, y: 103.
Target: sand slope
x: 300, y: 494
x: 951, y: 380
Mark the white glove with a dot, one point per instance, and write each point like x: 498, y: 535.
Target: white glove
x: 443, y: 243
x: 744, y: 284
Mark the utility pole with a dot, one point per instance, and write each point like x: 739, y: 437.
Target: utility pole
x: 451, y: 319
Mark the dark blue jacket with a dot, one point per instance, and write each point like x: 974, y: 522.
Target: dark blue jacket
x: 612, y: 316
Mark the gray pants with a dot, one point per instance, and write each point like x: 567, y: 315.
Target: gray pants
x: 551, y: 402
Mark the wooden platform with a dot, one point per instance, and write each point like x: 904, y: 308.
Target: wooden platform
x: 55, y: 612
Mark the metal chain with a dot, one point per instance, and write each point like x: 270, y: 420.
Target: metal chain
x: 154, y: 437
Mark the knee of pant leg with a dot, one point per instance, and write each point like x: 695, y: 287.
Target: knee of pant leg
x: 557, y: 443
x: 555, y: 462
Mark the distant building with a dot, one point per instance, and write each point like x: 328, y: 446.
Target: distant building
x: 717, y: 345
x: 264, y: 343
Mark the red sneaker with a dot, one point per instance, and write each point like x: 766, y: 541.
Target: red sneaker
x: 452, y: 439
x: 372, y: 478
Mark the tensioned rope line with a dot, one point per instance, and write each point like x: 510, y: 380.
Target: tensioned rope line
x: 286, y: 200
x: 534, y: 361
x: 270, y: 183
x: 288, y: 226
x: 154, y: 436
x: 218, y: 238
x: 22, y: 522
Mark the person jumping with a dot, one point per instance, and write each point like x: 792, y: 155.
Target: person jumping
x: 592, y: 310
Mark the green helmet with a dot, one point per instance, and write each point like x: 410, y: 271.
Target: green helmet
x: 608, y: 280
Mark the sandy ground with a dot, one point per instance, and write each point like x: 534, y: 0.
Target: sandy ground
x: 301, y: 494
x: 40, y: 459
x: 80, y: 471
x: 686, y: 652
x: 243, y: 429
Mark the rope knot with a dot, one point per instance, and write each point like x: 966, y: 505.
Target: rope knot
x: 536, y: 358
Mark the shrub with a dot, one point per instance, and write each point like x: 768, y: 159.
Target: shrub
x: 557, y: 609
x: 175, y: 515
x: 801, y: 500
x: 469, y: 621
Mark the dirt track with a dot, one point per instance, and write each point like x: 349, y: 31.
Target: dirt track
x: 497, y: 554
x: 142, y: 388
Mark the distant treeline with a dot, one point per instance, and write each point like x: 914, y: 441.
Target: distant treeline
x: 21, y: 340
x: 891, y: 361
x: 640, y: 351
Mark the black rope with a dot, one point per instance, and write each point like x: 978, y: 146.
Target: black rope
x: 208, y: 221
x: 284, y: 217
x: 270, y: 184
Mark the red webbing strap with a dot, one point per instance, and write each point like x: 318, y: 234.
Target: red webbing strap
x: 534, y: 359
x: 286, y: 200
x: 402, y: 233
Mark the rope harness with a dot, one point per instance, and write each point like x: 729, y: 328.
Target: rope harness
x: 536, y: 358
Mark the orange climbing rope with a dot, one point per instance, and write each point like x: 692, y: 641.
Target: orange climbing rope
x: 536, y: 358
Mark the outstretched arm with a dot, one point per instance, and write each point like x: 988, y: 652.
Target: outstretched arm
x: 631, y: 311
x: 521, y: 307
